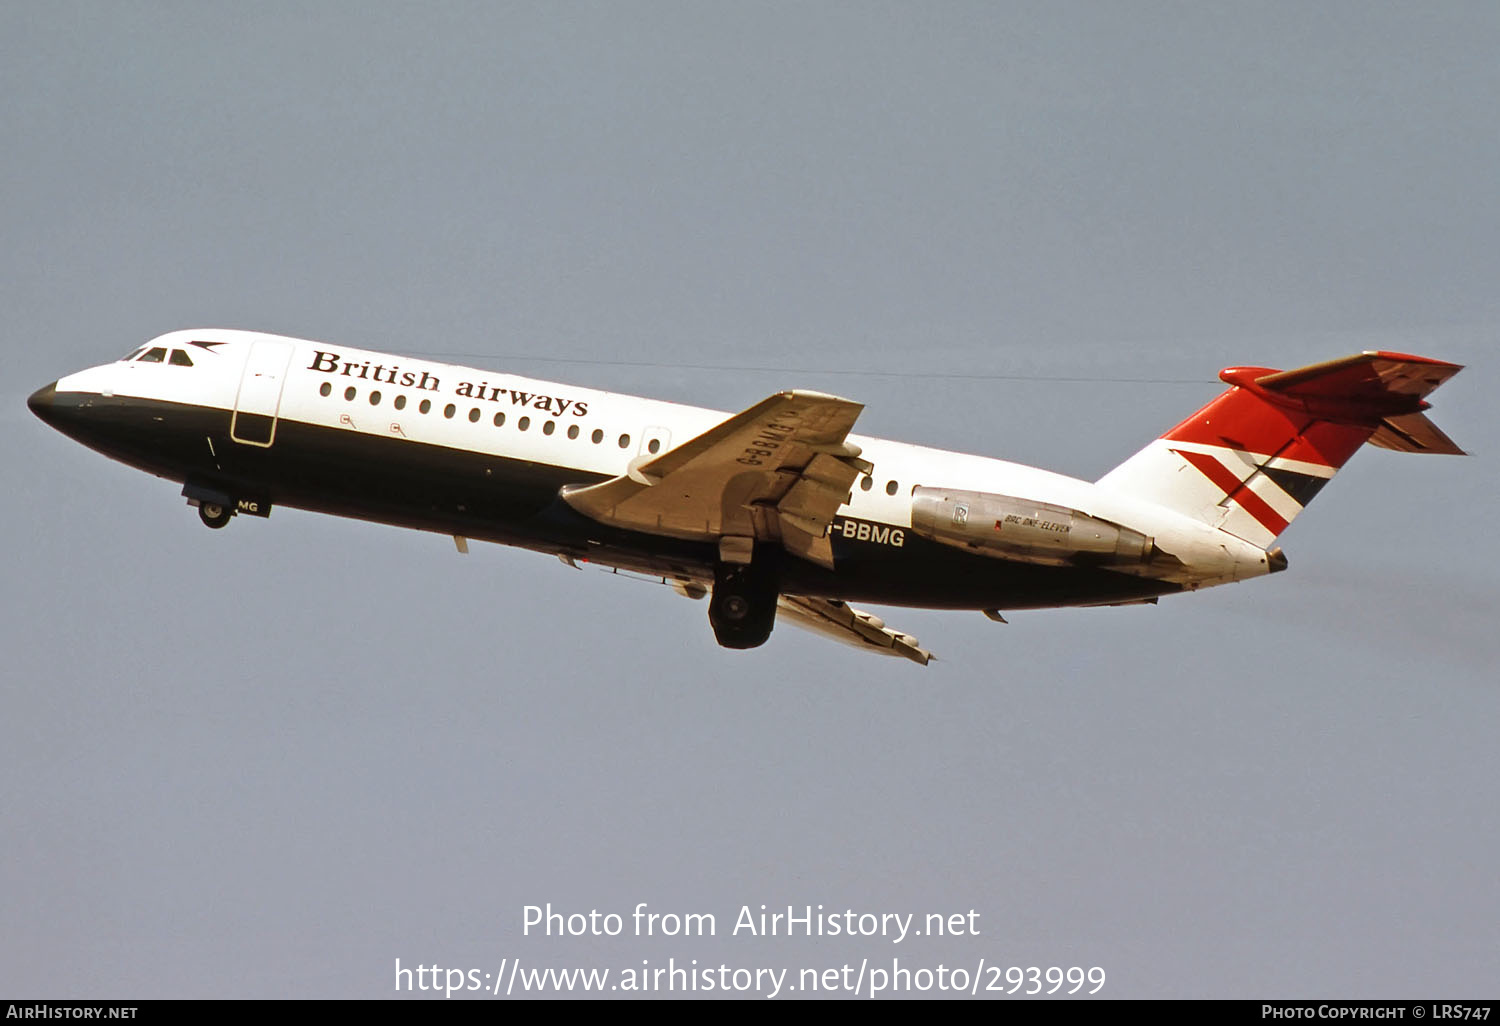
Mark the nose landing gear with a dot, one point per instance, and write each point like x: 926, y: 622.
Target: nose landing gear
x: 217, y: 503
x: 214, y: 514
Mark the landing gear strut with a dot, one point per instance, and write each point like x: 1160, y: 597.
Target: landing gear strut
x: 214, y: 514
x: 743, y: 608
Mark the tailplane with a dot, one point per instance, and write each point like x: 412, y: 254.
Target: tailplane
x: 1253, y: 458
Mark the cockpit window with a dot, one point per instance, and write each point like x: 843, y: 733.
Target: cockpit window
x: 154, y: 355
x: 134, y: 353
x: 181, y: 359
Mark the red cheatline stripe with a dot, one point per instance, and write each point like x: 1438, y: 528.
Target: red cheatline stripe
x: 1236, y: 490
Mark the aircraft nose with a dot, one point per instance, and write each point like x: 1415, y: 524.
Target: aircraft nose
x: 43, y: 401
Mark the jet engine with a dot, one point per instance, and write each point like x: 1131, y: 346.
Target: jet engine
x: 1025, y: 530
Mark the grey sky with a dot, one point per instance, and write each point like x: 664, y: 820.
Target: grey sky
x: 269, y: 761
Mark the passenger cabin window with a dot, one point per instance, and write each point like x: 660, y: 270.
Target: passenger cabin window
x: 156, y: 355
x: 181, y: 359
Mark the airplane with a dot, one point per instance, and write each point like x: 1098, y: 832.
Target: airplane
x: 779, y: 510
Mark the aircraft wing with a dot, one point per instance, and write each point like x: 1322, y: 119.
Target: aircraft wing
x: 839, y: 621
x: 779, y: 471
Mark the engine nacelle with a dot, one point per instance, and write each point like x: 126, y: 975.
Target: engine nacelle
x: 1026, y: 530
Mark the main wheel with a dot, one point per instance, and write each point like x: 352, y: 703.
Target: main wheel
x: 743, y: 608
x: 214, y: 514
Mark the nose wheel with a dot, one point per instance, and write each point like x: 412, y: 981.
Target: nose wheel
x: 214, y: 514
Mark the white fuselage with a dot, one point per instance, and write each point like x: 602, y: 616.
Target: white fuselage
x: 293, y: 386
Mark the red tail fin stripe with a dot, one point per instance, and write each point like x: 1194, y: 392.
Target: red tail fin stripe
x: 1235, y: 491
x: 1256, y: 460
x: 1271, y: 491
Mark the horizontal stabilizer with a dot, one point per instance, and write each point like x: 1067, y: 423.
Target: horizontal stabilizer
x: 1367, y: 376
x: 1413, y: 432
x: 1387, y: 386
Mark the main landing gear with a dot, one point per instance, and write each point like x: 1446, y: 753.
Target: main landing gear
x: 743, y: 608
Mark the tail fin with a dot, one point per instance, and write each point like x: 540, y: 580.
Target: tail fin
x: 1252, y: 459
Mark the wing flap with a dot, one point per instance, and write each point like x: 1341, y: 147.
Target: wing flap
x: 809, y: 496
x: 838, y: 620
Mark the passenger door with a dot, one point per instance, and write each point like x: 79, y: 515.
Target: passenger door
x: 259, y: 398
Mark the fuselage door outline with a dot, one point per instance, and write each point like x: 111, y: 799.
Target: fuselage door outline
x: 259, y: 398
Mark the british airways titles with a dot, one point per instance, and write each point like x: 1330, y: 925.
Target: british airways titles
x: 334, y: 365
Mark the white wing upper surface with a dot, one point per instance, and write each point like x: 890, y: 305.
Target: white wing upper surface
x: 779, y: 471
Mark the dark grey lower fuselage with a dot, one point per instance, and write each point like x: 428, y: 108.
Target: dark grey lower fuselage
x: 514, y: 502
